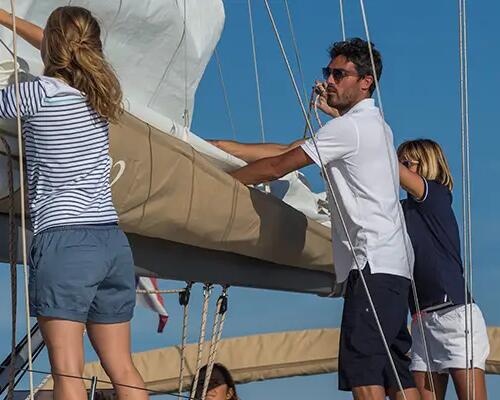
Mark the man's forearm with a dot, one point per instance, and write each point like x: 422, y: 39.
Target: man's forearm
x: 32, y: 33
x: 270, y: 169
x: 257, y: 172
x: 250, y: 152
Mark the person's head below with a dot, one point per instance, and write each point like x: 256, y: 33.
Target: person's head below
x: 349, y: 75
x: 72, y: 51
x: 426, y: 158
x: 221, y: 385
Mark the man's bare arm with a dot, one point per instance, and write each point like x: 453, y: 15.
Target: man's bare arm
x: 250, y: 152
x: 32, y: 33
x: 272, y: 168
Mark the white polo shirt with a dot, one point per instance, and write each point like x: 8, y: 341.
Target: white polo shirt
x: 353, y: 148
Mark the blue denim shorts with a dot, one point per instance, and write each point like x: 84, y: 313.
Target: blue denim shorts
x: 82, y: 273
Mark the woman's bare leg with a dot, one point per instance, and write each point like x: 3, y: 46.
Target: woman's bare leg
x: 459, y: 377
x: 424, y: 387
x: 112, y: 344
x: 64, y: 341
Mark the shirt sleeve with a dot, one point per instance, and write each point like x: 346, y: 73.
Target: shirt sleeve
x: 435, y: 196
x: 336, y: 140
x: 30, y: 98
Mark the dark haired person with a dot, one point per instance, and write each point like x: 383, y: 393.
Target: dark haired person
x: 221, y: 385
x: 359, y: 156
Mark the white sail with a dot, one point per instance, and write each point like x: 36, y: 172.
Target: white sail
x: 153, y: 55
x: 157, y: 62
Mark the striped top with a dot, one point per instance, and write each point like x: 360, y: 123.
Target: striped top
x: 67, y: 154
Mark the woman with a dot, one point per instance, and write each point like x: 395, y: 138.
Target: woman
x: 221, y: 385
x: 81, y: 266
x: 438, y: 275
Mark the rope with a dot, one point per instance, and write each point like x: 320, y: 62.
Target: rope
x: 158, y: 291
x: 206, y: 297
x: 296, y: 48
x: 342, y: 24
x: 184, y: 302
x: 12, y: 262
x: 152, y: 391
x: 256, y: 71
x: 308, y: 116
x: 219, y: 319
x: 224, y: 91
x: 400, y: 213
x: 186, y: 111
x: 332, y: 193
x: 21, y: 179
x: 466, y: 197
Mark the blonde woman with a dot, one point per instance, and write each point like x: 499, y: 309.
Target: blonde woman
x: 438, y: 274
x: 81, y: 266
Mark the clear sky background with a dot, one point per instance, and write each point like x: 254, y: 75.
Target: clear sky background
x: 420, y: 92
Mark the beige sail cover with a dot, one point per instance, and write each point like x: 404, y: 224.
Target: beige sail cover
x: 255, y: 358
x: 163, y: 188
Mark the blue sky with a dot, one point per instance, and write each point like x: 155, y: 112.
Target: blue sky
x: 420, y: 91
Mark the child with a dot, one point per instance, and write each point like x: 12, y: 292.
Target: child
x: 221, y: 385
x: 438, y: 274
x: 81, y: 266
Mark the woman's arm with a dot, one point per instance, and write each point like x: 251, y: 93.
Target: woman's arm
x: 250, y: 152
x: 412, y: 182
x: 32, y: 33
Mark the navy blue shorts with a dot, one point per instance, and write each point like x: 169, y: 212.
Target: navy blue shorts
x: 363, y: 359
x: 82, y: 273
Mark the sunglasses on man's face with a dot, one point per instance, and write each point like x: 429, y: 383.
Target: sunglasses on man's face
x: 337, y: 73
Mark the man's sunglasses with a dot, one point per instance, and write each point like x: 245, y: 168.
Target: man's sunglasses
x: 337, y: 73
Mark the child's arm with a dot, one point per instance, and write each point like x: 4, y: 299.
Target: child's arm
x: 32, y: 33
x: 411, y: 182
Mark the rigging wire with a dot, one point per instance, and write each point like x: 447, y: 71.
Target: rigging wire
x: 256, y: 72
x: 466, y: 199
x: 22, y: 194
x: 224, y: 91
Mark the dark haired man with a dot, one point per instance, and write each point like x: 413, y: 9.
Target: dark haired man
x: 358, y: 153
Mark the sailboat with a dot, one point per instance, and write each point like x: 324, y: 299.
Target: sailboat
x: 185, y: 218
x: 174, y: 200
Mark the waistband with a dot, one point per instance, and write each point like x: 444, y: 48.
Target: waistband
x: 105, y: 226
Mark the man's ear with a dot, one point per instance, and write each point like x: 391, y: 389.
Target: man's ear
x: 366, y: 82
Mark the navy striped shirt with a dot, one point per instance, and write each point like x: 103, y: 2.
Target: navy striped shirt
x: 67, y: 154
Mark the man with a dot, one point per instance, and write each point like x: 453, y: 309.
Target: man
x: 357, y: 151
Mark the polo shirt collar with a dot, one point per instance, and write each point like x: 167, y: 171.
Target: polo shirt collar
x: 364, y: 104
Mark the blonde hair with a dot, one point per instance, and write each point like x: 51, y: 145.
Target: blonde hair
x: 432, y: 164
x: 73, y: 52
